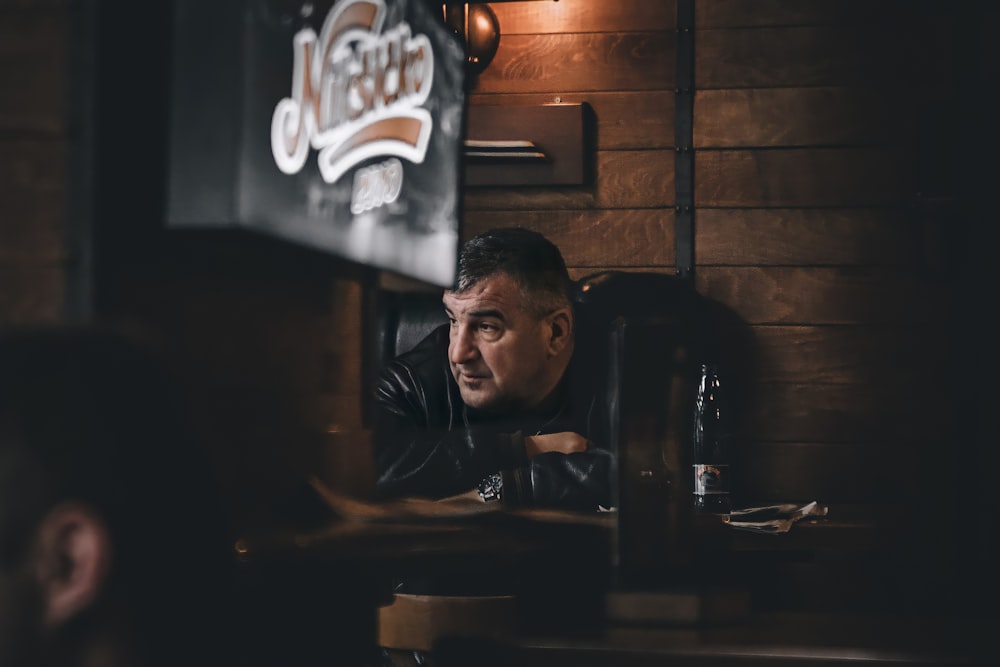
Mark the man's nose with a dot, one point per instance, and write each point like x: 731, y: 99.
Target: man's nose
x: 461, y: 347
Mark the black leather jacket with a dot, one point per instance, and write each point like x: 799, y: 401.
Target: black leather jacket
x: 430, y: 444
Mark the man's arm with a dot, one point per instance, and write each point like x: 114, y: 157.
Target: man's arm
x: 578, y: 481
x: 422, y: 448
x: 436, y: 464
x: 566, y: 442
x: 417, y: 457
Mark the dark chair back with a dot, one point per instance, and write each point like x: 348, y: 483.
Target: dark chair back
x: 403, y: 319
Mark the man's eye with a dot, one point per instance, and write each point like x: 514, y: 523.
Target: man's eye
x: 489, y: 331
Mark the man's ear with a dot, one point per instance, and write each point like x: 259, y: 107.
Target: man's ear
x: 74, y: 554
x: 560, y: 330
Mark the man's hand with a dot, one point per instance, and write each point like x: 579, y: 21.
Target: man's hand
x: 564, y: 443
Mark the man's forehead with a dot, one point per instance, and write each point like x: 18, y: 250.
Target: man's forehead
x: 496, y: 292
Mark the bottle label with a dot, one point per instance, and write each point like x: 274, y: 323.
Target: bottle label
x: 710, y: 478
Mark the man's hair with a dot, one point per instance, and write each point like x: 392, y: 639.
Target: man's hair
x: 534, y: 262
x: 94, y: 417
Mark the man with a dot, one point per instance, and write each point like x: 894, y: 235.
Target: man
x: 498, y: 401
x: 113, y: 546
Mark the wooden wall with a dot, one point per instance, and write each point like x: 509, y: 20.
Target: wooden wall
x: 619, y: 58
x: 37, y: 255
x: 818, y: 215
x: 827, y: 184
x: 809, y: 218
x: 812, y: 124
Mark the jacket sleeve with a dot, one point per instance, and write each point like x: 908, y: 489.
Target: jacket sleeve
x: 581, y: 481
x: 419, y: 453
x: 424, y: 448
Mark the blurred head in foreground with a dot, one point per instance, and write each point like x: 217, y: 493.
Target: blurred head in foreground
x: 113, y: 545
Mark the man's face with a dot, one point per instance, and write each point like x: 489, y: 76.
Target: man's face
x: 497, y: 349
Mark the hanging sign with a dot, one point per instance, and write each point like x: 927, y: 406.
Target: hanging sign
x: 350, y: 139
x: 357, y: 93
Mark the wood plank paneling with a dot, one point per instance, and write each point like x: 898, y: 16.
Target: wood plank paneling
x: 820, y: 237
x: 31, y: 294
x: 580, y: 62
x: 625, y: 120
x: 576, y: 273
x: 805, y: 225
x: 810, y: 56
x: 344, y: 360
x: 851, y: 355
x: 855, y: 473
x: 763, y: 117
x: 803, y: 177
x: 598, y: 239
x: 760, y: 13
x: 34, y: 67
x: 825, y: 295
x: 33, y: 196
x: 624, y: 179
x: 846, y: 404
x: 816, y: 124
x: 32, y: 227
x: 33, y: 165
x: 568, y: 16
x: 33, y: 97
x: 879, y: 411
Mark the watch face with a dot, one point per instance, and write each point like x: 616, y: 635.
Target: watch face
x: 491, y: 488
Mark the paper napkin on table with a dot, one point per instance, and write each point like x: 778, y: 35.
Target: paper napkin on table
x: 773, y: 518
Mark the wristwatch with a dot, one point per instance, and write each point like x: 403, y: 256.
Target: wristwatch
x: 491, y: 488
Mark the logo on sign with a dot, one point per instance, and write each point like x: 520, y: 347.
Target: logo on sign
x: 357, y: 93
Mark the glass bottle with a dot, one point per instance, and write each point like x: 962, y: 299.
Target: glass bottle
x: 712, y: 444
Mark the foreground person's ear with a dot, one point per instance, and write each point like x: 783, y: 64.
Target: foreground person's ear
x: 74, y: 554
x: 560, y: 330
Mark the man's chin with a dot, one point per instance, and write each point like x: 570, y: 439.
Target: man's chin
x: 479, y: 399
x: 479, y: 403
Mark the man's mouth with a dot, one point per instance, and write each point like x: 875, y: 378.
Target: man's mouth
x: 472, y: 377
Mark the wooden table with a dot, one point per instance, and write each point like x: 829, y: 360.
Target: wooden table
x: 325, y: 582
x: 780, y: 640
